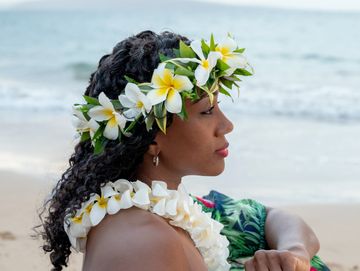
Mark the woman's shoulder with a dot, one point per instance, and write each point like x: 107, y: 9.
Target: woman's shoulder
x: 134, y: 234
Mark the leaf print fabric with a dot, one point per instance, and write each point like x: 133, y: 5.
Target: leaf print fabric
x: 244, y: 227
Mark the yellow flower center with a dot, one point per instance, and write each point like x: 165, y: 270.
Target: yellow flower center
x: 88, y: 208
x: 139, y: 104
x: 77, y: 219
x: 108, y: 113
x: 102, y: 202
x: 223, y: 50
x: 205, y: 63
x: 117, y: 197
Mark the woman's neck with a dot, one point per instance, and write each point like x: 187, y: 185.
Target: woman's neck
x: 147, y: 176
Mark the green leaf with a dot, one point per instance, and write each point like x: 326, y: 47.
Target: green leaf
x: 149, y: 121
x: 98, y: 133
x: 239, y: 50
x: 221, y: 65
x: 100, y: 145
x: 85, y: 136
x: 184, y: 71
x: 186, y: 51
x: 227, y: 83
x: 130, y: 80
x: 159, y: 110
x: 242, y: 72
x: 91, y: 100
x: 163, y: 57
x: 224, y: 91
x: 212, y: 43
x: 176, y: 52
x: 205, y: 48
x: 161, y: 122
x: 183, y: 114
x: 211, y: 95
x: 117, y: 105
x: 170, y: 66
x: 132, y: 124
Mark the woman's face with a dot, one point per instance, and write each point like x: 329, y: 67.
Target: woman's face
x: 196, y: 146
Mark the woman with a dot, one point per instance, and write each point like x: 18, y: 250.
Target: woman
x: 163, y: 130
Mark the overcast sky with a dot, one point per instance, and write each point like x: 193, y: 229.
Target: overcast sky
x: 303, y: 4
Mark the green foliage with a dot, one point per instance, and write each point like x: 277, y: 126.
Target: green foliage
x: 85, y: 136
x: 205, y: 48
x: 130, y: 80
x: 162, y: 124
x: 117, y: 105
x: 242, y: 72
x: 224, y: 91
x: 183, y: 114
x: 221, y: 65
x: 185, y: 51
x: 184, y: 71
x: 163, y: 57
x: 239, y: 50
x: 149, y: 121
x: 91, y: 100
x: 212, y: 43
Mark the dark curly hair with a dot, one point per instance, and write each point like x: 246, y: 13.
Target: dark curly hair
x: 136, y: 57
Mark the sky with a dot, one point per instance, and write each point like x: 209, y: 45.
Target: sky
x: 343, y: 5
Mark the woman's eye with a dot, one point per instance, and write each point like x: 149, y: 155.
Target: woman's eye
x: 209, y: 112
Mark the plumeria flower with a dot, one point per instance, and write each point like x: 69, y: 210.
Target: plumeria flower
x: 122, y: 198
x: 141, y: 197
x: 82, y: 125
x: 98, y: 210
x: 159, y: 196
x: 167, y: 87
x: 233, y: 59
x: 202, y: 71
x: 135, y: 100
x: 106, y: 111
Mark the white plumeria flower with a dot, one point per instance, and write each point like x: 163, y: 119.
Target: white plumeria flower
x: 167, y: 87
x: 98, y: 210
x: 106, y: 111
x: 122, y: 198
x: 135, y: 100
x: 82, y: 125
x: 233, y: 59
x: 141, y: 198
x: 160, y: 195
x: 202, y: 71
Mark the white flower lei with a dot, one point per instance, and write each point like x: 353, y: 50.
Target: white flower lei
x: 176, y: 205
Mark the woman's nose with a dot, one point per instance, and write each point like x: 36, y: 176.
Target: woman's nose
x: 225, y: 125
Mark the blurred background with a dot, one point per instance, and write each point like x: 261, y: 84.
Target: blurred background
x: 297, y: 120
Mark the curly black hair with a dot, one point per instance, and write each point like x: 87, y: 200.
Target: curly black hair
x: 136, y: 57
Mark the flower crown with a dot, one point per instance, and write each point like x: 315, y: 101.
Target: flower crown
x: 204, y: 66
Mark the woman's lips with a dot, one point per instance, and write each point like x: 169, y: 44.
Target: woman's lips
x: 223, y: 151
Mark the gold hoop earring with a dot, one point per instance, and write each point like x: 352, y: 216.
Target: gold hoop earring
x: 156, y: 161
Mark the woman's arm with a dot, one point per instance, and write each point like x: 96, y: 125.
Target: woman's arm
x: 291, y: 241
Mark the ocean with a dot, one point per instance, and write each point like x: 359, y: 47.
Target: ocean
x: 307, y: 63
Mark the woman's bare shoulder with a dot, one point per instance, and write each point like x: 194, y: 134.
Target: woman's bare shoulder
x: 132, y: 240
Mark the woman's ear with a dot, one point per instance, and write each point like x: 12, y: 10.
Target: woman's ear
x: 154, y: 149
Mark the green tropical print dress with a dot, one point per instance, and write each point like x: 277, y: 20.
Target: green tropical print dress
x: 244, y: 227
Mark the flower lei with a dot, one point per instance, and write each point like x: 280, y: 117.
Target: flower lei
x: 177, y: 205
x: 207, y: 65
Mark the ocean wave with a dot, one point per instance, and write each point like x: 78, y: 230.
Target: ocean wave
x: 81, y: 70
x: 324, y: 103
